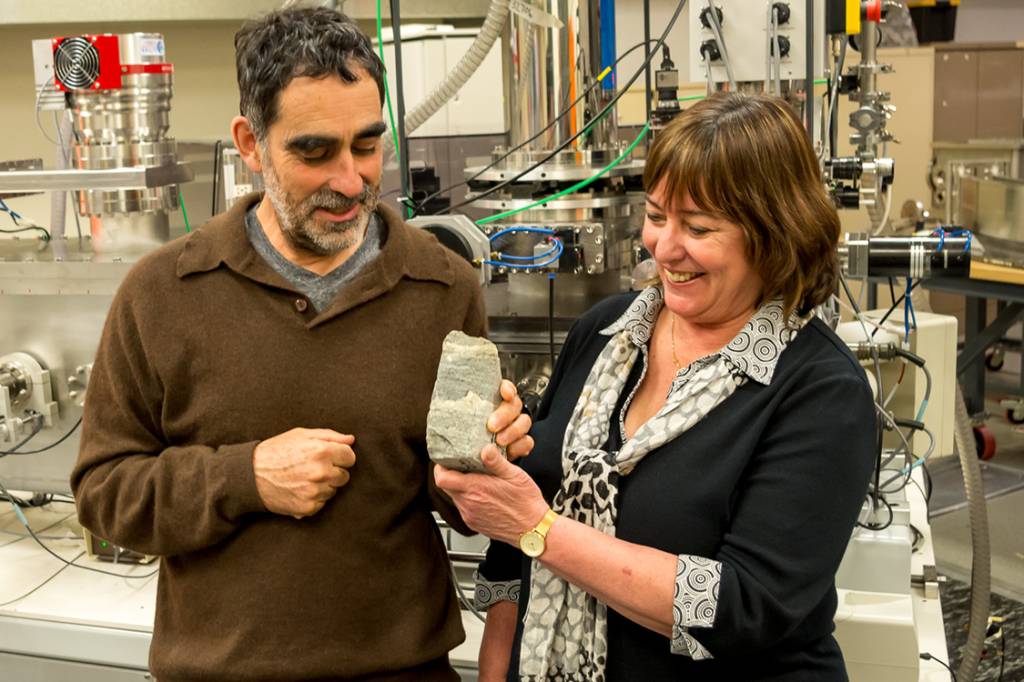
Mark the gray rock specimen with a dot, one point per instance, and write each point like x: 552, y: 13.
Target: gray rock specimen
x: 465, y: 394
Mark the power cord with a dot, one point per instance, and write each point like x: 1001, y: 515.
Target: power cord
x: 45, y: 582
x: 928, y: 657
x: 24, y: 521
x: 17, y: 451
x: 22, y: 223
x: 37, y: 427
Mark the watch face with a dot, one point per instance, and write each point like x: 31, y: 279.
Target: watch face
x: 532, y: 544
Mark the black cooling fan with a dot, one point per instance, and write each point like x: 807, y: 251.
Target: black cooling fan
x: 76, y: 63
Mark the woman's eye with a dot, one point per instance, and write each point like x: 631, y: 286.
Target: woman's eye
x: 655, y: 217
x: 698, y: 231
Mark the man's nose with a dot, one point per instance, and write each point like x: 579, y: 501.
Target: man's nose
x: 345, y: 179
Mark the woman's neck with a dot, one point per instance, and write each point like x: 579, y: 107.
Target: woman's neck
x: 700, y: 339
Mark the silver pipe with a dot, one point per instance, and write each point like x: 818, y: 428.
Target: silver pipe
x: 548, y: 70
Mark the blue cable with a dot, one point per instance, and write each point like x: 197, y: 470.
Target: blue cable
x: 942, y: 232
x: 506, y: 256
x: 559, y: 247
x: 908, y: 311
x: 15, y: 216
x: 521, y: 228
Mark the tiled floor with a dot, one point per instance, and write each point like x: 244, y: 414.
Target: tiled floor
x: 956, y: 604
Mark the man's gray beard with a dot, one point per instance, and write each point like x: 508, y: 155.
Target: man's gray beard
x: 304, y: 230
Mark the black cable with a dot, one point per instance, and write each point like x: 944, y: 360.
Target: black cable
x: 403, y: 140
x: 551, y: 319
x: 833, y: 109
x: 878, y: 380
x: 216, y: 175
x: 622, y: 91
x: 36, y: 429
x: 42, y: 544
x: 895, y: 305
x: 927, y: 484
x: 45, y: 232
x: 892, y: 291
x: 876, y: 526
x: 41, y: 530
x: 568, y: 108
x: 1002, y: 652
x: 647, y: 53
x: 44, y: 583
x: 48, y: 447
x: 928, y: 657
x: 918, y: 537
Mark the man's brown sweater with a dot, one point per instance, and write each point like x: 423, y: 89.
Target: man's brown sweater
x: 208, y: 351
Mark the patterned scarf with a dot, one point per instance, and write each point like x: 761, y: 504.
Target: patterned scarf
x: 565, y: 630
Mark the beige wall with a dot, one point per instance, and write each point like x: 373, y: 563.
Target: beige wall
x: 912, y: 85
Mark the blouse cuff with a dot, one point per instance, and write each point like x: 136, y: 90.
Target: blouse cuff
x: 695, y: 603
x: 489, y: 593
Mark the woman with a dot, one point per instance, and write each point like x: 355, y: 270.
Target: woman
x: 705, y: 445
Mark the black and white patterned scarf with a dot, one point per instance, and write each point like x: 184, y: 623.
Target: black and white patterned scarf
x: 565, y: 629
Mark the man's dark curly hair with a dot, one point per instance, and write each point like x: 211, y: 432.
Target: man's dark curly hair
x: 292, y: 43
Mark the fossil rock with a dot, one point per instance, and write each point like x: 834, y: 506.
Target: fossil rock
x: 465, y: 394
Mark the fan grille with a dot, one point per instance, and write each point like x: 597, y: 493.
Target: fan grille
x: 76, y: 63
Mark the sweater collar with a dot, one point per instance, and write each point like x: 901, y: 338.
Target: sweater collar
x: 223, y: 241
x: 754, y: 351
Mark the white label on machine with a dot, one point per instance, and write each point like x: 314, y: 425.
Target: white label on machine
x: 151, y: 47
x: 534, y: 15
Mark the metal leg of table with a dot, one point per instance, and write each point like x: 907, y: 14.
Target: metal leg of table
x: 978, y: 336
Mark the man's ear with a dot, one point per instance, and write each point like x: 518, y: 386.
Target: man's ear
x: 246, y: 143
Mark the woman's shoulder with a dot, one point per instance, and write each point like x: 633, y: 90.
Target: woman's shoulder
x: 817, y: 348
x: 606, y: 311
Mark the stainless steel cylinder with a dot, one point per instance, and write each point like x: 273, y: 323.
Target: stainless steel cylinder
x: 555, y: 53
x: 127, y: 127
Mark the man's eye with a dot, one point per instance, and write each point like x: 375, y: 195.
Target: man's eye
x: 318, y: 154
x: 364, y: 151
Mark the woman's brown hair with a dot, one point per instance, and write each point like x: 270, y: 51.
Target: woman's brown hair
x: 747, y: 159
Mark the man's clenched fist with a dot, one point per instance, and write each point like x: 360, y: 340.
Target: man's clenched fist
x: 299, y: 470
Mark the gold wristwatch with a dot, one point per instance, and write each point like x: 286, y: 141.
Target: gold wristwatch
x: 532, y: 541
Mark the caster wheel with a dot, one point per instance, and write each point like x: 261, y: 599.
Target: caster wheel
x: 985, y: 442
x: 994, y: 360
x: 1015, y: 416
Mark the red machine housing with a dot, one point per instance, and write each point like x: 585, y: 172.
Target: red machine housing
x: 103, y: 62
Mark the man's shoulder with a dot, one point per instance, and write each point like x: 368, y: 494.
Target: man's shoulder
x: 425, y: 257
x: 158, y: 269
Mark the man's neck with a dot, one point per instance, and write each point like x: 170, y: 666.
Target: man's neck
x: 313, y: 262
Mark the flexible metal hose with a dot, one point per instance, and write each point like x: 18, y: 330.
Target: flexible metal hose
x: 494, y: 23
x: 981, y: 576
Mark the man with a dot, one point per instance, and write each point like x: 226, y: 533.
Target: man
x: 257, y: 409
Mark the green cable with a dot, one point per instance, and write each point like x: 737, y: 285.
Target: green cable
x: 578, y: 186
x: 184, y: 213
x: 387, y: 90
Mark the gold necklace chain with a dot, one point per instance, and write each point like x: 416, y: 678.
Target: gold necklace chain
x: 674, y: 358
